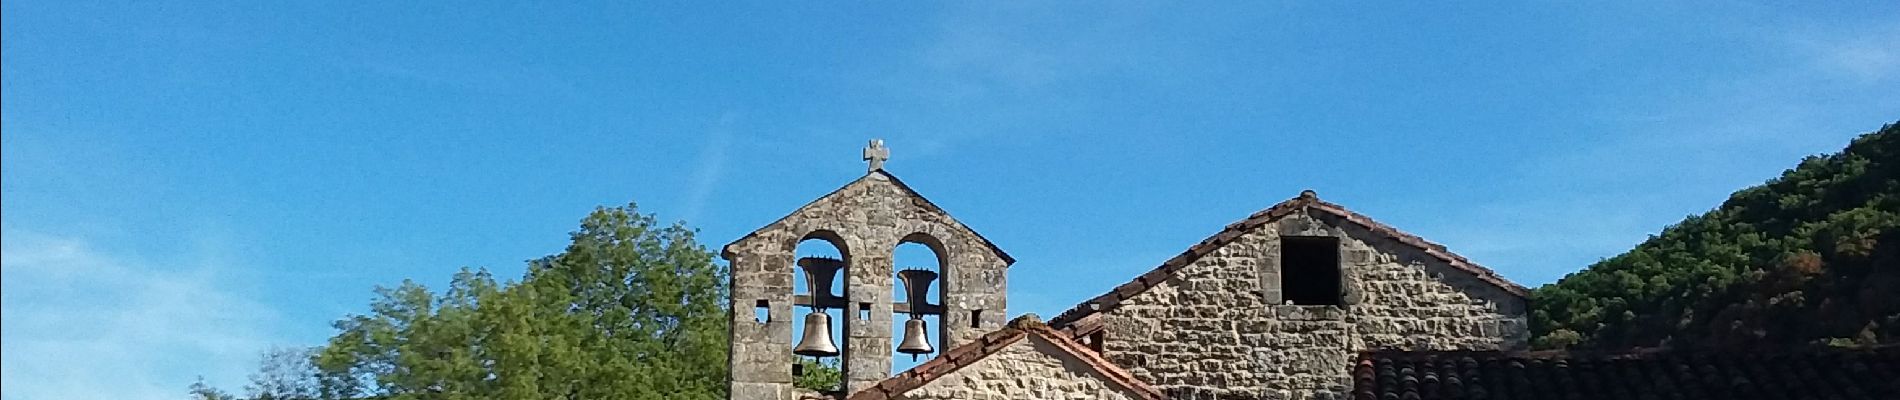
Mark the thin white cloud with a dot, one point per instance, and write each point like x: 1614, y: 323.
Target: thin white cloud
x: 1003, y: 63
x: 1869, y: 56
x: 1872, y: 60
x: 711, y: 167
x: 465, y: 73
x: 83, y: 323
x: 1537, y: 240
x: 1653, y: 158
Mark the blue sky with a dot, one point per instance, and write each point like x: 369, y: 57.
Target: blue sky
x: 186, y: 185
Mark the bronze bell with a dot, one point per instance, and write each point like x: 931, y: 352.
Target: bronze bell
x: 916, y: 293
x: 916, y: 338
x: 817, y: 341
x: 819, y: 274
x: 917, y: 290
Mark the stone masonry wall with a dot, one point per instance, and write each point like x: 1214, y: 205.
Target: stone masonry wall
x: 1217, y: 328
x: 866, y: 220
x: 1028, y: 369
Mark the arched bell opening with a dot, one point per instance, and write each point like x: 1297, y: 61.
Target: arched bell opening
x: 819, y: 304
x: 917, y: 294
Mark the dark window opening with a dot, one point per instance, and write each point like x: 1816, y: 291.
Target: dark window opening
x: 864, y: 311
x: 976, y: 318
x: 763, y: 311
x: 1095, y: 341
x: 1309, y: 270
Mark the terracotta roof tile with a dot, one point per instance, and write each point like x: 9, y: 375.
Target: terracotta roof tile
x: 1306, y: 201
x: 1861, y: 373
x: 992, y: 343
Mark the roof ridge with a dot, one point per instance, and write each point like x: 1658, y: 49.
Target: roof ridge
x: 994, y: 342
x: 1007, y: 259
x: 1307, y: 200
x: 726, y: 252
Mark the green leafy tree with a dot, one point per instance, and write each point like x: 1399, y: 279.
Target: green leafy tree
x: 412, y: 344
x: 284, y: 373
x: 631, y: 309
x: 820, y: 375
x: 1811, y: 257
x: 200, y: 391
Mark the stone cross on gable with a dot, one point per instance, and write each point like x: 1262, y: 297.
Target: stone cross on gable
x: 876, y: 154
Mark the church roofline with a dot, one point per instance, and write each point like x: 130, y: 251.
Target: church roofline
x: 994, y: 342
x: 726, y: 251
x: 1306, y: 201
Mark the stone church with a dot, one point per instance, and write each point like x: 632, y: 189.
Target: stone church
x: 1304, y: 299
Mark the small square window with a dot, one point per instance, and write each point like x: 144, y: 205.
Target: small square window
x: 1309, y: 270
x: 762, y: 311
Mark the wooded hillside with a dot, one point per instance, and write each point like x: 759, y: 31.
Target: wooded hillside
x: 1810, y: 257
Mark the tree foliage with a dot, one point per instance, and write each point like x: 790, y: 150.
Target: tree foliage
x: 200, y: 391
x: 1811, y: 257
x: 631, y: 309
x: 284, y: 373
x: 821, y: 375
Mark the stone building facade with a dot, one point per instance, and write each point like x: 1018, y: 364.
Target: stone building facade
x: 1026, y: 360
x: 1275, y: 306
x: 865, y: 220
x: 1214, y: 322
x: 1028, y: 369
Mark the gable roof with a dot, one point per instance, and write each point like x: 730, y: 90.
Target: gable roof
x: 1862, y: 373
x: 919, y: 200
x: 994, y: 342
x: 1307, y: 201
